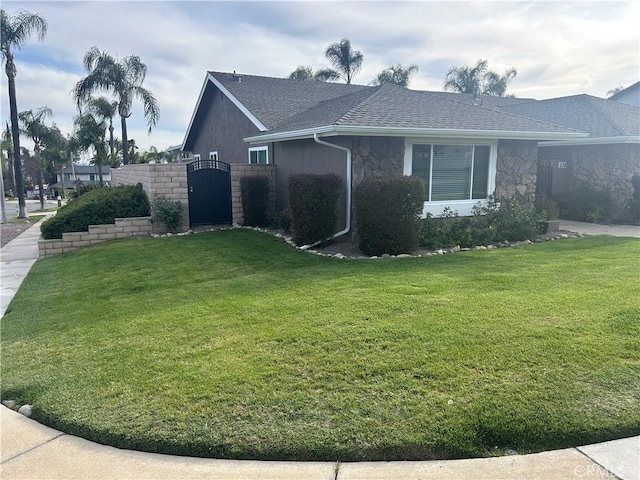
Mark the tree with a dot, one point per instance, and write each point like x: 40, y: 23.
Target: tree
x: 613, y: 91
x: 346, y: 62
x: 478, y: 80
x: 102, y: 108
x: 7, y: 145
x: 396, y: 75
x: 56, y: 154
x: 89, y: 133
x: 32, y: 125
x: 122, y: 78
x: 14, y: 33
x: 303, y: 72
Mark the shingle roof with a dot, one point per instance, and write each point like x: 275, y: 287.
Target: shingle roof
x: 397, y: 107
x: 273, y: 100
x: 85, y: 169
x: 598, y: 117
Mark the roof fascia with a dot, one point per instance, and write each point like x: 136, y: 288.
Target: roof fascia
x: 333, y: 130
x: 227, y: 93
x: 237, y: 103
x: 195, y: 110
x: 591, y: 141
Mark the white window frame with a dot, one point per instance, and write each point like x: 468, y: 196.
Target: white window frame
x: 196, y: 156
x: 259, y: 149
x: 213, y: 155
x: 463, y: 207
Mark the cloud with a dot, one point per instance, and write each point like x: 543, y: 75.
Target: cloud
x: 559, y: 48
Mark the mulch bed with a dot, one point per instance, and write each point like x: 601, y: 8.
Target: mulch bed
x: 9, y: 231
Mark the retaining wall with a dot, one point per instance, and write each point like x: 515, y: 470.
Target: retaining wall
x: 71, y: 241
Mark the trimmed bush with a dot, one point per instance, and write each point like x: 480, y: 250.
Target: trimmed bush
x: 255, y: 200
x: 314, y: 200
x: 168, y: 212
x: 387, y: 211
x: 97, y: 207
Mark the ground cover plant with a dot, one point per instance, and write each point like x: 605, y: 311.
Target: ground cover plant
x: 232, y: 344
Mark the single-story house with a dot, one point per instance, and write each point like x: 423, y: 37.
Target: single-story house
x: 74, y: 176
x: 465, y: 151
x: 607, y: 159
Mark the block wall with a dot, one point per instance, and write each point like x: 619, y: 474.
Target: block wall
x: 71, y: 241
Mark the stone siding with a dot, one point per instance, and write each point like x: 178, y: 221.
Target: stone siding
x: 516, y: 171
x: 247, y: 170
x: 168, y: 179
x: 71, y: 241
x: 376, y: 156
x: 609, y: 168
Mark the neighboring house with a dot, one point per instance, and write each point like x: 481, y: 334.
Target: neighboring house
x: 630, y: 95
x: 75, y: 175
x: 178, y: 156
x: 465, y: 152
x: 606, y: 160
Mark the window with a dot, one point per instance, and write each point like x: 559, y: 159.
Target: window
x: 196, y: 156
x: 92, y: 177
x: 213, y: 156
x: 259, y: 155
x: 453, y: 172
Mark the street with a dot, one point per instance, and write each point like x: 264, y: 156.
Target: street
x: 32, y: 206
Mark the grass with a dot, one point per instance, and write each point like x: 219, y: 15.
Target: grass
x: 232, y: 345
x: 31, y: 219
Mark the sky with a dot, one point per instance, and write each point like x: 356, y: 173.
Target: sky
x: 559, y: 48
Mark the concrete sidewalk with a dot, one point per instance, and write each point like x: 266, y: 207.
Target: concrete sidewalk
x: 29, y: 450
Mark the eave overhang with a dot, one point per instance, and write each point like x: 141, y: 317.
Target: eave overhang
x: 591, y: 141
x: 334, y: 130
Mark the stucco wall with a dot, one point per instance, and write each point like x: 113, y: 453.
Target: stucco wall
x: 516, y: 169
x: 168, y: 179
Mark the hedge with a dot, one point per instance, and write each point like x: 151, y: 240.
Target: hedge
x: 387, y: 213
x: 97, y: 207
x: 313, y: 200
x: 255, y: 200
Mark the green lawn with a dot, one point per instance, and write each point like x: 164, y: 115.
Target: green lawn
x: 232, y: 344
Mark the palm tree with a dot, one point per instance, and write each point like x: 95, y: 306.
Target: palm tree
x: 346, y: 62
x: 478, y: 80
x: 56, y: 154
x: 123, y: 78
x: 89, y: 133
x: 396, y: 75
x: 14, y: 32
x: 106, y: 110
x: 32, y: 125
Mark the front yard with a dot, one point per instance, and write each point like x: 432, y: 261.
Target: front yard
x: 231, y: 344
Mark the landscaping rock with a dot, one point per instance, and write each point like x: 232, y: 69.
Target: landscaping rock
x: 25, y: 410
x: 386, y: 255
x: 9, y: 404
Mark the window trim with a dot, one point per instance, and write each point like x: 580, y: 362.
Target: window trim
x: 214, y: 154
x: 196, y: 156
x: 463, y: 207
x: 264, y: 148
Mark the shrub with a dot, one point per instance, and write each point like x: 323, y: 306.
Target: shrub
x: 168, y: 212
x: 586, y: 203
x: 97, y: 207
x: 546, y: 207
x: 387, y: 211
x: 313, y: 200
x: 284, y: 220
x: 255, y: 199
x: 508, y: 220
x: 512, y: 219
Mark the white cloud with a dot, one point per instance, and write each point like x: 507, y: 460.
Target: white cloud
x: 559, y: 48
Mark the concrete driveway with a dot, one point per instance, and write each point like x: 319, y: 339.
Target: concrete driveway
x: 597, y: 229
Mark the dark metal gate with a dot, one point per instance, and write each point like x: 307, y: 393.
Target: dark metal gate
x: 544, y: 178
x: 209, y: 183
